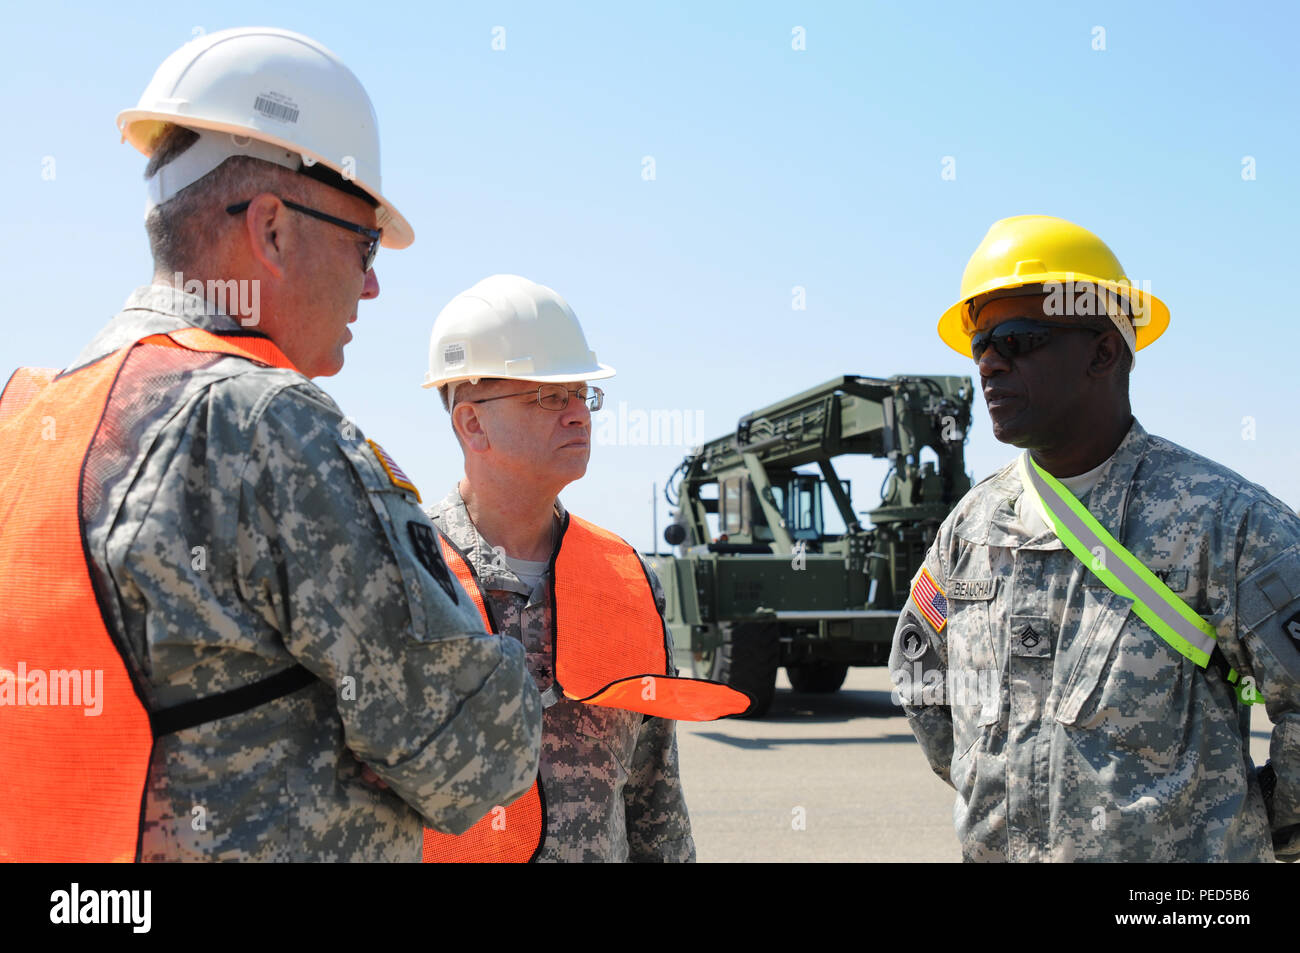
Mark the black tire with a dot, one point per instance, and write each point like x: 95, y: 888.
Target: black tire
x: 747, y: 660
x: 817, y: 677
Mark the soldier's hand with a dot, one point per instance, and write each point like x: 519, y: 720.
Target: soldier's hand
x: 371, y: 778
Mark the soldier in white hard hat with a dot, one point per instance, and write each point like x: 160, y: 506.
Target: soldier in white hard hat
x: 290, y: 671
x: 514, y: 370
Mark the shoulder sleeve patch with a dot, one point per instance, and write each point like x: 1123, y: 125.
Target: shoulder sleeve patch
x: 1292, y: 626
x: 930, y: 599
x: 394, y: 472
x: 912, y: 642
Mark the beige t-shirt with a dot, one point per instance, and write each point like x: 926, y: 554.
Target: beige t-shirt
x: 1033, y: 519
x: 530, y: 572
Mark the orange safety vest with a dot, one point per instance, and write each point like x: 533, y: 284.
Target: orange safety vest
x: 610, y: 648
x: 72, y: 785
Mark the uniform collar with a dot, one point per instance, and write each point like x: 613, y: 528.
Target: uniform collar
x: 154, y: 309
x: 1109, y: 499
x: 1002, y: 526
x: 492, y: 571
x: 993, y: 520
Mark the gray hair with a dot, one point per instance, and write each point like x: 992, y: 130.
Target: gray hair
x: 180, y: 229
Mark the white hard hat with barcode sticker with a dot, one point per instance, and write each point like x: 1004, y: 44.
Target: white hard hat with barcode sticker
x: 507, y: 326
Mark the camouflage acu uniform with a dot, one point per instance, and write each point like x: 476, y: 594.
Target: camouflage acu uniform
x: 610, y: 777
x: 236, y: 524
x: 1069, y: 729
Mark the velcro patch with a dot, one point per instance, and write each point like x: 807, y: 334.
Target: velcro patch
x: 929, y: 598
x: 394, y: 472
x: 974, y: 589
x: 1175, y: 579
x: 1276, y: 591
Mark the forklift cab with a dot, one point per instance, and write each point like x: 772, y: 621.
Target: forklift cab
x: 797, y: 496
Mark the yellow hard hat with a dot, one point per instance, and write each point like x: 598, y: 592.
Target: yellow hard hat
x: 1037, y: 249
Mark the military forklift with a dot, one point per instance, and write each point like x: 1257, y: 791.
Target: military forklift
x: 772, y: 588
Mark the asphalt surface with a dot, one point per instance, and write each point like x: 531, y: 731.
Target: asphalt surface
x: 825, y: 778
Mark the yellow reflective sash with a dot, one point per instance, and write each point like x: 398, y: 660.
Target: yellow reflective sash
x: 1154, y: 603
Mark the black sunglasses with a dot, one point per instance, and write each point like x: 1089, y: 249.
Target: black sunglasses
x: 374, y: 235
x: 1018, y: 337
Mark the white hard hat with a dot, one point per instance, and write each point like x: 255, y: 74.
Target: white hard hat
x: 266, y: 93
x: 507, y: 326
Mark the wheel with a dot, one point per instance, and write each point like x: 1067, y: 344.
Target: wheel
x: 816, y: 676
x: 746, y: 660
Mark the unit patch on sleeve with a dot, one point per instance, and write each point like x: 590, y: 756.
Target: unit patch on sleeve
x: 394, y: 472
x: 425, y: 544
x: 929, y: 598
x: 912, y: 642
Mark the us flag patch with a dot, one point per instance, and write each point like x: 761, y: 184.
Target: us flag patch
x: 393, y: 470
x: 929, y: 598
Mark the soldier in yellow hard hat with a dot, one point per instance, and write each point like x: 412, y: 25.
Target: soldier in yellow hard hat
x: 1101, y: 613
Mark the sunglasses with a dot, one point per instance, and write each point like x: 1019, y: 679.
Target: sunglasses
x: 1018, y: 337
x: 372, y: 234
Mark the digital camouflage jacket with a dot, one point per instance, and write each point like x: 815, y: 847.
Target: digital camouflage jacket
x: 609, y: 776
x: 238, y: 524
x: 1069, y: 729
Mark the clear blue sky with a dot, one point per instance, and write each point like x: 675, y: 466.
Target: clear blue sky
x: 774, y: 168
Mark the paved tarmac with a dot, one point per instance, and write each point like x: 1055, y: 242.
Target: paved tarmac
x: 825, y: 778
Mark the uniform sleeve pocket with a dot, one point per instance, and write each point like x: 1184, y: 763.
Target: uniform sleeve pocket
x: 974, y: 673
x: 1267, y: 604
x: 616, y: 730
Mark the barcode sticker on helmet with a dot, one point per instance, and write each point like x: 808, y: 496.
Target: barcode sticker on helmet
x: 453, y: 355
x: 276, y: 106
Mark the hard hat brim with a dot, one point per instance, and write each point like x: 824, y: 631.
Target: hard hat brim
x: 142, y: 127
x: 954, y: 331
x: 601, y: 372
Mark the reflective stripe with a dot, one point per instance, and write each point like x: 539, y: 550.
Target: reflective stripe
x: 1154, y: 603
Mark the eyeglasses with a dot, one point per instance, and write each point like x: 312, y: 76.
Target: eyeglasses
x: 1018, y: 337
x: 373, y: 234
x: 556, y: 396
